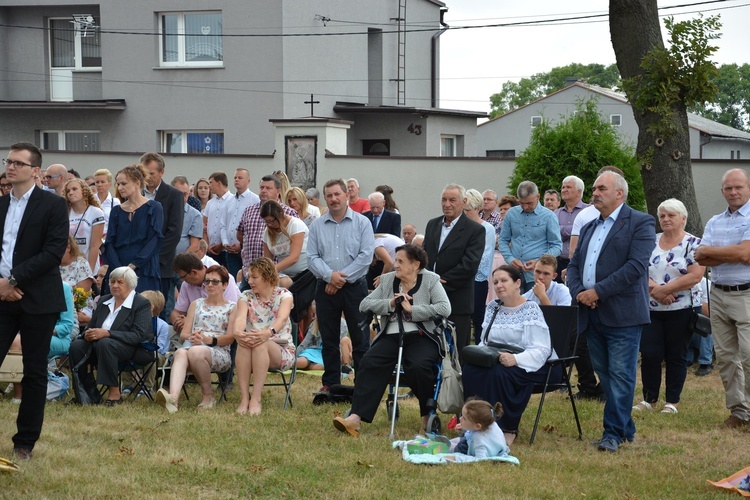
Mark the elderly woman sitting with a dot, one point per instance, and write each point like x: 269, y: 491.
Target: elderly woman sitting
x: 119, y: 324
x: 408, y: 299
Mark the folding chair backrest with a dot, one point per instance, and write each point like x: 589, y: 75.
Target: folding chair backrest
x: 563, y: 326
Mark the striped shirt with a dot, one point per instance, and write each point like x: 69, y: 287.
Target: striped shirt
x: 727, y: 229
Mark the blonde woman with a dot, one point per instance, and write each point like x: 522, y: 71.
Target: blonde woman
x: 103, y: 179
x: 296, y: 199
x: 86, y: 219
x: 285, y: 184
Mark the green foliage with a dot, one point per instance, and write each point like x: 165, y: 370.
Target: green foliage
x: 514, y: 95
x: 579, y: 145
x: 732, y: 103
x: 681, y: 73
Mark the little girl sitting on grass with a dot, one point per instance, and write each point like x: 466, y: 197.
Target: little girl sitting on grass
x: 482, y: 434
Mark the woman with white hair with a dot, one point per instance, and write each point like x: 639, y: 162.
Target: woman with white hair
x: 119, y: 324
x: 472, y: 210
x: 674, y: 286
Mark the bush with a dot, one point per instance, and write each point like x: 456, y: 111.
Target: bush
x: 580, y: 144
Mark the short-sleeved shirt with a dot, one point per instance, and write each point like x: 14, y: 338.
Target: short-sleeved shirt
x: 189, y: 293
x: 282, y: 247
x: 252, y: 226
x: 566, y: 220
x: 665, y: 266
x: 81, y: 226
x: 76, y: 271
x: 729, y: 228
x: 389, y: 242
x: 192, y: 225
x: 360, y: 206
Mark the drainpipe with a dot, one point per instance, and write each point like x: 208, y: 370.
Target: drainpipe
x: 434, y: 54
x: 703, y: 143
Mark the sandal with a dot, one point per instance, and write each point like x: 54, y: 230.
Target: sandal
x: 644, y: 406
x: 669, y: 408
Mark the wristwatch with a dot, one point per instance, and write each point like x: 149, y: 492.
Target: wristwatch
x: 12, y: 281
x: 273, y: 330
x: 214, y: 342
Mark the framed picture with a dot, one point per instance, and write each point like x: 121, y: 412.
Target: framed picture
x: 301, y: 160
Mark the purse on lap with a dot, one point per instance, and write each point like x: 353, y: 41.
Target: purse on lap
x: 12, y: 367
x: 486, y: 355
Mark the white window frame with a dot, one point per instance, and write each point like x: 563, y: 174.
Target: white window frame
x: 536, y: 118
x: 78, y: 51
x: 181, y: 62
x: 184, y: 142
x: 612, y: 120
x: 61, y: 137
x: 454, y: 138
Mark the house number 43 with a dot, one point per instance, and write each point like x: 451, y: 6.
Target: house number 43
x: 415, y: 129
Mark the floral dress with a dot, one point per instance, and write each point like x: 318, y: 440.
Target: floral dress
x: 667, y: 265
x: 74, y: 273
x: 261, y: 315
x: 213, y: 321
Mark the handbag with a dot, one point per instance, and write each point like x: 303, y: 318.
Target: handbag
x: 699, y: 323
x: 487, y: 354
x: 303, y: 293
x: 451, y: 395
x: 12, y: 367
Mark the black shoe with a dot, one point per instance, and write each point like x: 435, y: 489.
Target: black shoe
x: 22, y: 454
x: 109, y: 403
x: 580, y: 396
x: 704, y: 370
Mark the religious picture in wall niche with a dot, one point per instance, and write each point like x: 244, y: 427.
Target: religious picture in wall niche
x: 301, y: 166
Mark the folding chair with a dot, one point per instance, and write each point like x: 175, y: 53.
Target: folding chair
x: 287, y: 384
x: 143, y: 361
x: 563, y: 326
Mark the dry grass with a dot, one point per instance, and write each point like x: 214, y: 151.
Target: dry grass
x: 138, y: 450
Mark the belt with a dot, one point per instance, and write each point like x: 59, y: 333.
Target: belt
x: 733, y: 288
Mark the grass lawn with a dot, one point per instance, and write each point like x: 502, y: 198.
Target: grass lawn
x: 138, y: 450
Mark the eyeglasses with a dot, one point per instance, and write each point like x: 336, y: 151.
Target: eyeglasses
x: 5, y: 185
x: 48, y: 177
x: 16, y: 163
x: 212, y: 282
x: 182, y: 276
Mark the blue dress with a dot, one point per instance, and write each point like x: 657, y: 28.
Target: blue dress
x: 136, y: 241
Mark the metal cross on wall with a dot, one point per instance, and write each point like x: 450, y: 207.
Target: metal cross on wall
x: 312, y: 103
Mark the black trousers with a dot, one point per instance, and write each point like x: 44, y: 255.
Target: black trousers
x: 36, y: 332
x: 329, y: 310
x: 562, y: 264
x: 420, y: 360
x: 463, y: 329
x: 587, y: 383
x: 106, y: 355
x: 480, y: 305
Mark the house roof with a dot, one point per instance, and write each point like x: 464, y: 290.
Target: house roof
x: 696, y: 122
x: 355, y: 108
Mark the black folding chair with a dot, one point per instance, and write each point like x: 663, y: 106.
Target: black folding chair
x: 140, y: 365
x: 563, y: 326
x: 286, y: 383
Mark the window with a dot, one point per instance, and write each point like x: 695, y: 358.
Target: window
x: 73, y: 47
x: 376, y: 147
x: 615, y: 120
x: 447, y: 145
x: 191, y: 39
x: 71, y: 140
x: 536, y: 121
x: 196, y: 142
x: 501, y: 153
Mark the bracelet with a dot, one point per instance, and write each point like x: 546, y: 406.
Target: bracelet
x: 214, y: 342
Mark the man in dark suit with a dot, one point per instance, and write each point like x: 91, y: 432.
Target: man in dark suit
x: 608, y: 276
x: 454, y: 245
x: 382, y: 220
x: 35, y: 236
x: 173, y: 204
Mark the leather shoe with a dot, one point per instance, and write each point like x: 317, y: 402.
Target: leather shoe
x: 580, y: 396
x: 608, y: 444
x: 109, y: 403
x: 735, y: 422
x: 704, y: 370
x: 22, y: 454
x: 342, y: 425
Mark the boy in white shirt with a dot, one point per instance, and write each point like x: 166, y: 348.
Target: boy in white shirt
x: 547, y: 292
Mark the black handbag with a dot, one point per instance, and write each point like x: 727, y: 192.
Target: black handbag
x: 303, y: 293
x: 487, y: 355
x: 699, y: 323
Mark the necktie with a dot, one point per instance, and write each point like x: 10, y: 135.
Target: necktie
x: 375, y: 221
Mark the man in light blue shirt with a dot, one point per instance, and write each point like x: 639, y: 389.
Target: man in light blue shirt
x: 528, y: 232
x: 339, y: 252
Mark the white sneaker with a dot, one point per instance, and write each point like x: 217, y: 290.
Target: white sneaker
x: 166, y: 401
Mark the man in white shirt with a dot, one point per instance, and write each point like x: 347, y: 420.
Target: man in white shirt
x: 216, y: 213
x: 235, y: 208
x: 546, y: 291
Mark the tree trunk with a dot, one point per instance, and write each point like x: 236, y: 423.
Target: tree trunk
x: 665, y: 161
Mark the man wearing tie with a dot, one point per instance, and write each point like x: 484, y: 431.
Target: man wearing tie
x: 608, y: 276
x: 383, y: 221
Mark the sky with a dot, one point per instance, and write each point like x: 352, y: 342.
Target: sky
x: 476, y: 62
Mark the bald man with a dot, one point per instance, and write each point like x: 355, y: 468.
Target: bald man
x: 409, y: 233
x: 56, y: 176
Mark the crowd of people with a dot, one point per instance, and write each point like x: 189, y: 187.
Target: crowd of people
x: 223, y: 281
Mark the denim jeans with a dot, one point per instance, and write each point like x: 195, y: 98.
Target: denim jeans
x: 614, y: 354
x: 705, y: 347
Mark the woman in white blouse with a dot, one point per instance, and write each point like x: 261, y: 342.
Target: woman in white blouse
x: 104, y: 179
x: 86, y: 220
x: 285, y: 242
x: 511, y: 320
